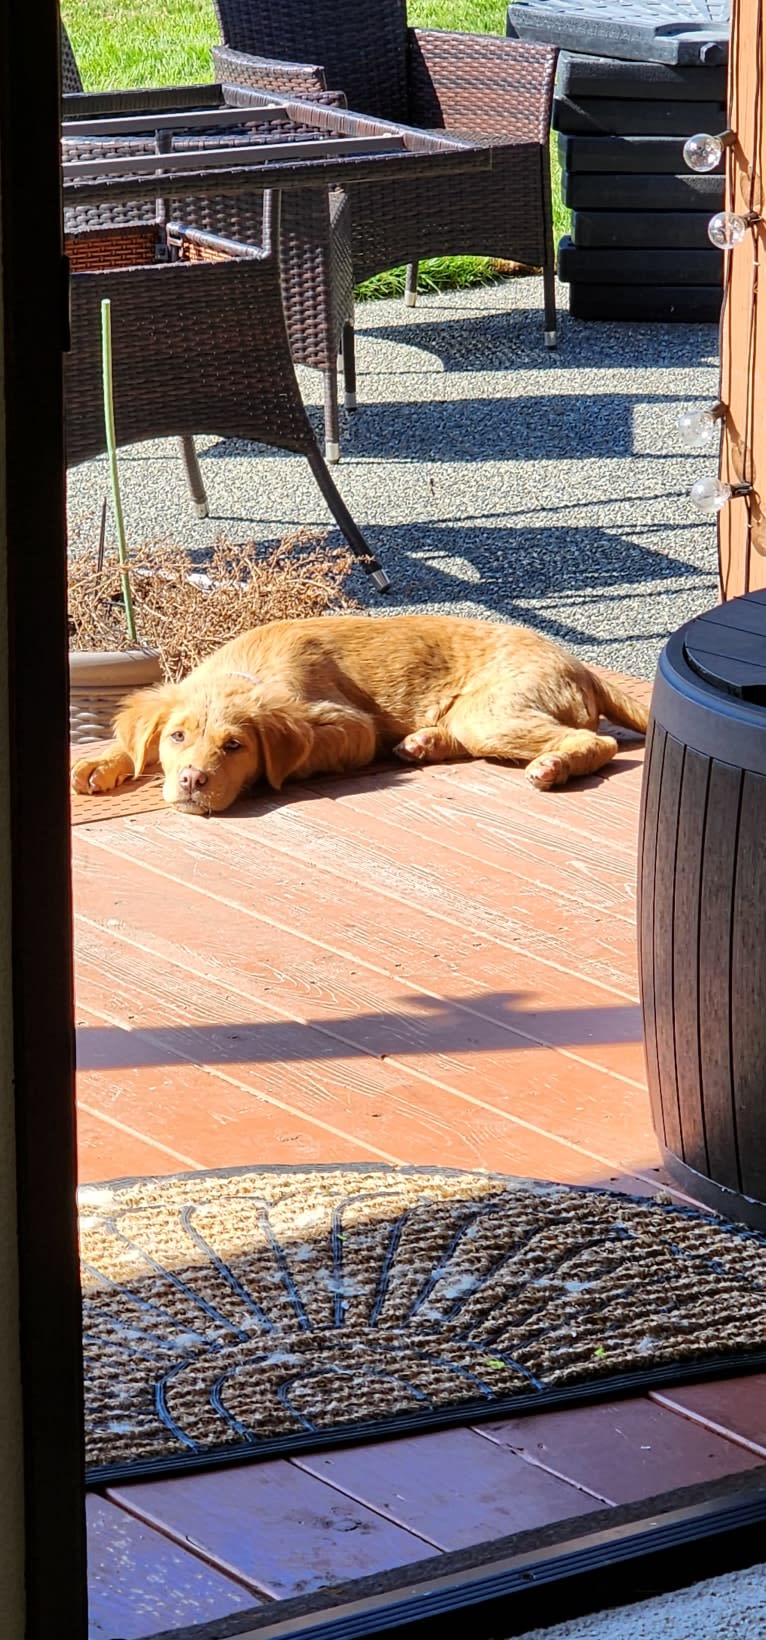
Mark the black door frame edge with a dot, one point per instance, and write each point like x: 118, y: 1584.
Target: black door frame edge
x: 612, y: 1558
x: 34, y: 332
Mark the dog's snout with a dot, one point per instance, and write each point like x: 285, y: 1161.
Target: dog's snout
x: 191, y: 780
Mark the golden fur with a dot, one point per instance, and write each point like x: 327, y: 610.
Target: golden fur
x: 297, y: 698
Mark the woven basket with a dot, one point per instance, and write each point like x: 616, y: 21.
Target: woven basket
x: 99, y: 680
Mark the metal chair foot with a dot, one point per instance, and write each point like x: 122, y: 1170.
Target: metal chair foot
x: 551, y: 338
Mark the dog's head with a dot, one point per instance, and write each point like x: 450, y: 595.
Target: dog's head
x: 213, y: 739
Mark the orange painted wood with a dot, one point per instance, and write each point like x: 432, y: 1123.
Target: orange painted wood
x: 236, y: 872
x: 742, y: 524
x: 399, y: 869
x: 452, y: 1488
x: 621, y: 1450
x: 280, y: 1530
x: 434, y: 954
x: 101, y: 1144
x: 374, y: 1038
x: 140, y: 1583
x: 549, y: 925
x: 508, y: 845
x: 231, y: 1104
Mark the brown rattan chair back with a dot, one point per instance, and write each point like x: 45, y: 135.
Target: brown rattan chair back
x: 70, y: 73
x: 361, y: 45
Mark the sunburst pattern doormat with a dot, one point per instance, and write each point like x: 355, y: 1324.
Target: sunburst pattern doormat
x: 246, y: 1313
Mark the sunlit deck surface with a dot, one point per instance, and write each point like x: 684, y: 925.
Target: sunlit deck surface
x: 434, y: 966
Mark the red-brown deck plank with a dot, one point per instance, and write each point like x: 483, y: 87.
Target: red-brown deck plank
x: 438, y: 957
x: 621, y: 1450
x: 431, y: 967
x: 376, y: 1101
x: 103, y: 1142
x: 141, y: 1584
x: 276, y: 1527
x: 452, y: 1488
x: 453, y: 1053
x: 735, y: 1406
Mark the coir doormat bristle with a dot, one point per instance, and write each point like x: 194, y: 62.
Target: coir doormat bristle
x: 255, y: 1312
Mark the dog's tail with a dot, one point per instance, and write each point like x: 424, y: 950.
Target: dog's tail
x: 619, y: 707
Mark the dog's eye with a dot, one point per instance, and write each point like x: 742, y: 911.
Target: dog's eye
x: 232, y: 745
x: 179, y: 736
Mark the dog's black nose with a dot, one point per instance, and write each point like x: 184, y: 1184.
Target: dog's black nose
x: 191, y: 780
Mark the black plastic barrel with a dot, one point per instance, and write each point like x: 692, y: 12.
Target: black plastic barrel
x: 702, y: 908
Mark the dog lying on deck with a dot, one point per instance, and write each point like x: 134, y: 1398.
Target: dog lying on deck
x: 298, y: 698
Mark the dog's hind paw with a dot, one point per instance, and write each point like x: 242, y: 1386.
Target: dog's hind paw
x: 424, y: 746
x: 545, y: 772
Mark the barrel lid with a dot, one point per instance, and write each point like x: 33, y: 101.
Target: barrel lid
x: 727, y: 647
x: 662, y: 31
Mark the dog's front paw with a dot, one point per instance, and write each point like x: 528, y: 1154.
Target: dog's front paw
x: 93, y: 775
x: 545, y: 772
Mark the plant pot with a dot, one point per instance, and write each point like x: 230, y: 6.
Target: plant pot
x: 98, y: 681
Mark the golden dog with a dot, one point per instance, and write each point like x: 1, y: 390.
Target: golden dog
x: 297, y: 698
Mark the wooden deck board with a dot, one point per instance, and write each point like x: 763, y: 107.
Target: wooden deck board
x: 453, y: 1489
x: 140, y: 1583
x: 621, y: 1450
x: 436, y: 967
x: 279, y: 1529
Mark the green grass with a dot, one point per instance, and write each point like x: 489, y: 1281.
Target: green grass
x: 121, y: 43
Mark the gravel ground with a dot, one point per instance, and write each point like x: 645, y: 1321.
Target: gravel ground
x: 492, y: 477
x: 722, y: 1608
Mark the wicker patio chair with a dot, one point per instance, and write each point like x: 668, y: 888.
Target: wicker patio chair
x: 315, y: 270
x: 495, y: 90
x: 199, y: 345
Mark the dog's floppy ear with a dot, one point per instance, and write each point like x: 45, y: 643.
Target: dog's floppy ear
x: 286, y: 739
x: 140, y: 722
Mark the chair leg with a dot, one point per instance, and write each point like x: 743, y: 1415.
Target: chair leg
x: 331, y: 426
x: 346, y: 523
x: 411, y: 284
x: 194, y: 477
x: 348, y: 353
x: 549, y: 300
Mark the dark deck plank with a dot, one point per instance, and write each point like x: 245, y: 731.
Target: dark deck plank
x: 621, y: 1450
x: 452, y: 1488
x: 733, y: 1407
x: 278, y: 1529
x: 140, y: 1583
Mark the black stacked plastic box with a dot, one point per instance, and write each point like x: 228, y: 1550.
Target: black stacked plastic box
x: 645, y: 77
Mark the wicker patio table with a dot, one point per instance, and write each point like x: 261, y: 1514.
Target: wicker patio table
x: 159, y: 201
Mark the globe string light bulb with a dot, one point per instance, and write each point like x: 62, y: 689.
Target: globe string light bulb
x: 699, y: 428
x: 710, y: 495
x: 726, y: 229
x: 704, y: 152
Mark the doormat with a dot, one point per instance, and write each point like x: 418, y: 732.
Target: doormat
x: 257, y: 1312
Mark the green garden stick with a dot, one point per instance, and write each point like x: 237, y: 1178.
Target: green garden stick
x: 111, y: 445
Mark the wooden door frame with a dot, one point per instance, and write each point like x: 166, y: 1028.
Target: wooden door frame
x: 34, y: 325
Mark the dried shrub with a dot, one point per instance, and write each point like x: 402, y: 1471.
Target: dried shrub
x: 185, y: 613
